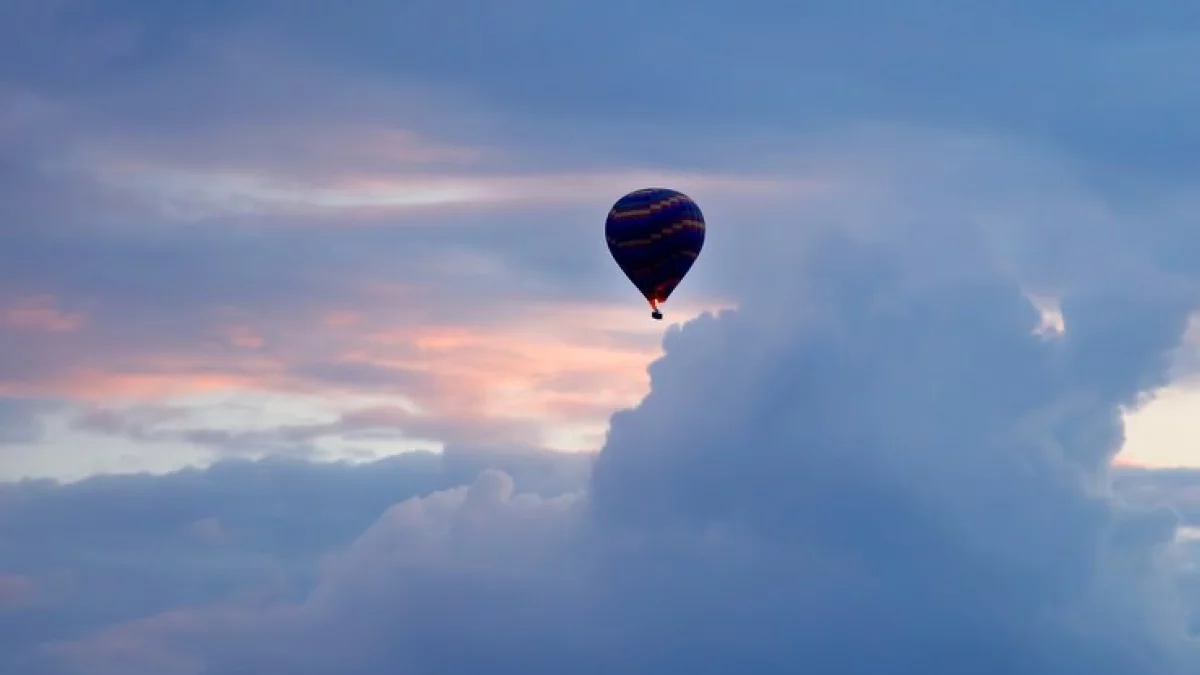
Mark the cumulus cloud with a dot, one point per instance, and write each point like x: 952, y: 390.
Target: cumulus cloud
x: 77, y: 557
x: 877, y: 465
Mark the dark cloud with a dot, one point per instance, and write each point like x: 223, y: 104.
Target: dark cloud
x: 111, y: 549
x: 149, y: 424
x: 21, y: 419
x: 137, y: 423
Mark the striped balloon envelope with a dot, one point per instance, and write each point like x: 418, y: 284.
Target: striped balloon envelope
x: 655, y: 236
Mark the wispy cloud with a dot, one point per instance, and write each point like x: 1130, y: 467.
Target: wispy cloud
x: 40, y: 314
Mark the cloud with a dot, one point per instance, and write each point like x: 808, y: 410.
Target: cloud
x: 880, y: 467
x: 21, y: 419
x: 424, y: 385
x: 301, y: 440
x: 1084, y: 79
x: 877, y: 462
x: 188, y: 256
x: 39, y: 314
x: 1178, y: 488
x: 1179, y: 491
x: 81, y: 556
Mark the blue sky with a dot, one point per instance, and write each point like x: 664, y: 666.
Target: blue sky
x: 314, y: 360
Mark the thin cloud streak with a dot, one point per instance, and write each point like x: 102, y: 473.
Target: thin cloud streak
x: 216, y: 194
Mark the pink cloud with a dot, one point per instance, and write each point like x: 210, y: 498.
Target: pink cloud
x: 306, y: 163
x: 41, y: 314
x: 542, y: 372
x: 341, y: 319
x: 201, y: 194
x: 573, y: 370
x: 365, y: 172
x: 510, y: 368
x: 95, y: 384
x: 242, y: 337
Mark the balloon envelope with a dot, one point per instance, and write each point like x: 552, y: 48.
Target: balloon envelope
x: 655, y: 236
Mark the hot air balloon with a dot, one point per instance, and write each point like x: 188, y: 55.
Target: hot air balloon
x: 655, y: 235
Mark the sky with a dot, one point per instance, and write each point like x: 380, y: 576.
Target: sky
x: 313, y: 361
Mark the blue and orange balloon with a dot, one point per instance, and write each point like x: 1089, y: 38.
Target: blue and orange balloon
x: 655, y: 235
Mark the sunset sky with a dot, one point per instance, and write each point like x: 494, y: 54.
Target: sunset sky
x: 258, y: 258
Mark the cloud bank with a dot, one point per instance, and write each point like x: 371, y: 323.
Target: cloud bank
x: 880, y: 462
